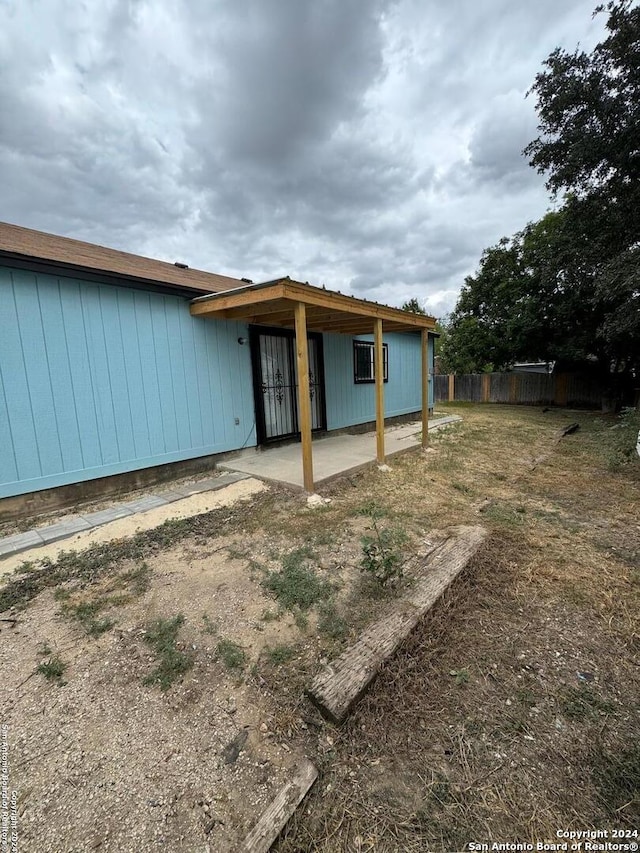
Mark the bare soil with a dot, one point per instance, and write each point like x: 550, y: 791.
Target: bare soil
x: 511, y: 713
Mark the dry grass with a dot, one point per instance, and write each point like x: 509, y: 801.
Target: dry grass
x: 539, y: 734
x: 513, y: 710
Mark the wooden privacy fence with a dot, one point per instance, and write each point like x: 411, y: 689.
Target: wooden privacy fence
x: 533, y: 389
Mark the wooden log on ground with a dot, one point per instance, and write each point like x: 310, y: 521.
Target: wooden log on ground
x: 286, y: 801
x: 343, y: 682
x: 568, y: 430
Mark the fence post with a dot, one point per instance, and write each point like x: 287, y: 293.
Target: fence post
x: 513, y: 387
x: 486, y: 387
x: 562, y: 389
x: 452, y: 394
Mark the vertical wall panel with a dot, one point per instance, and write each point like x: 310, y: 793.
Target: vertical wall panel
x: 138, y: 409
x: 16, y: 387
x: 38, y: 371
x: 8, y: 465
x: 60, y: 381
x: 145, y: 344
x: 125, y: 406
x: 80, y: 371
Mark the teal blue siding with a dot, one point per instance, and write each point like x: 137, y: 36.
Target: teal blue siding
x: 98, y: 380
x: 349, y: 403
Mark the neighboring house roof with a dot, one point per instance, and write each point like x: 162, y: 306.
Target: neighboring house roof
x: 24, y: 244
x: 533, y: 367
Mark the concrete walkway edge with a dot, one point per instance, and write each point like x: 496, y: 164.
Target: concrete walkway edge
x: 75, y: 524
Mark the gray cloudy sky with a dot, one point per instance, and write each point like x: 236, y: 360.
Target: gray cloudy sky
x: 369, y: 145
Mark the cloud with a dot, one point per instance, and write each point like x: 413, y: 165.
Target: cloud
x: 372, y: 146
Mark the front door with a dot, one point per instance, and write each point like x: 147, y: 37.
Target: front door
x: 275, y: 383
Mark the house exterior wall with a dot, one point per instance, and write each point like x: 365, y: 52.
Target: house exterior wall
x: 349, y: 403
x: 98, y: 380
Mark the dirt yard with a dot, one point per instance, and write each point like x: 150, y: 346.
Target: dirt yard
x: 154, y: 685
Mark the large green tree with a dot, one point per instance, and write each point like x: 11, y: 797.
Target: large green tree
x: 569, y: 285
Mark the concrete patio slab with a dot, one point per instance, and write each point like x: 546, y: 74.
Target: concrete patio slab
x: 333, y: 456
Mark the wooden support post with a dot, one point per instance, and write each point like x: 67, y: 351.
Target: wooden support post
x: 379, y: 371
x: 486, y: 387
x: 425, y: 387
x: 452, y: 393
x: 304, y: 399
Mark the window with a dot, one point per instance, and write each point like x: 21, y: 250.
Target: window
x: 364, y: 366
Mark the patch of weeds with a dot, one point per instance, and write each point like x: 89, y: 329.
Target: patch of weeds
x: 119, y: 591
x: 513, y: 724
x: 62, y: 594
x: 381, y: 560
x: 461, y: 487
x: 25, y: 567
x: 231, y: 654
x: 53, y: 669
x: 235, y: 553
x: 301, y: 619
x: 209, y: 626
x: 296, y: 585
x: 372, y: 509
x: 330, y: 623
x: 282, y: 653
x: 526, y: 697
x: 85, y: 612
x: 461, y: 676
x: 441, y: 791
x: 256, y: 568
x: 502, y: 513
x: 162, y: 635
x: 138, y: 579
x: 44, y: 649
x: 617, y: 780
x: 270, y: 616
x: 581, y: 703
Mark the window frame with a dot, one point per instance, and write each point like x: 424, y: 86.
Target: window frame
x: 370, y: 345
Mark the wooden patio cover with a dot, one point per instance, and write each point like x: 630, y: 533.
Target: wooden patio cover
x: 303, y: 307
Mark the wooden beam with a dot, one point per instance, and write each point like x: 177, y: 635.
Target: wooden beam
x: 278, y: 309
x: 379, y: 370
x: 354, y: 326
x: 281, y: 808
x: 304, y: 399
x: 351, y: 305
x: 339, y: 686
x: 424, y: 341
x: 236, y: 298
x: 452, y: 388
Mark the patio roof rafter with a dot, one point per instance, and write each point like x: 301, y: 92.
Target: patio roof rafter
x: 305, y: 308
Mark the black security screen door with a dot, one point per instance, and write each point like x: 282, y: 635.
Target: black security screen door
x: 275, y: 381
